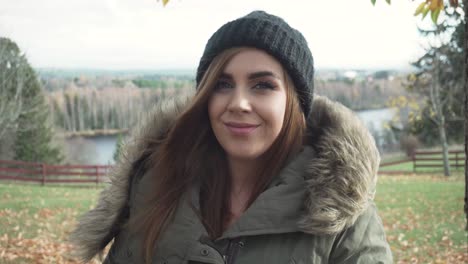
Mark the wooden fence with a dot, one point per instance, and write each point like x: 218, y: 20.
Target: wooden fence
x: 427, y: 160
x: 45, y: 173
x: 434, y: 159
x: 392, y: 163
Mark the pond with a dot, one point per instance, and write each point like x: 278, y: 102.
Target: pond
x: 100, y: 149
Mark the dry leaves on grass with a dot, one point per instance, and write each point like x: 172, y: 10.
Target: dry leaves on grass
x: 451, y: 258
x: 38, y: 237
x: 40, y: 249
x: 37, y: 250
x: 423, y: 218
x: 419, y: 227
x: 431, y: 255
x: 35, y: 222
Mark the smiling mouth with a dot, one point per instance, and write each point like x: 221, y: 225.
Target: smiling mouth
x: 241, y: 129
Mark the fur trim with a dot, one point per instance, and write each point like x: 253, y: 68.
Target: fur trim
x: 96, y: 228
x: 341, y: 175
x: 343, y: 172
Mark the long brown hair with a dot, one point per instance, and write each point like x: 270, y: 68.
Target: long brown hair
x: 190, y: 153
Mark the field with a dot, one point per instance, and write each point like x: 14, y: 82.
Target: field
x: 35, y: 221
x: 423, y: 218
x: 422, y: 214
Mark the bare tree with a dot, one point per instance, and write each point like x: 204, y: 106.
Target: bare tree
x: 439, y: 78
x: 438, y: 104
x: 465, y: 8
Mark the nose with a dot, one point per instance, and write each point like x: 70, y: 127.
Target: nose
x: 240, y: 101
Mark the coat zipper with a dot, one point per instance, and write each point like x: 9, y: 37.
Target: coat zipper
x: 231, y: 251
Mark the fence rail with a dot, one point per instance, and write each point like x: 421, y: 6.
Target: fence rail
x: 426, y: 160
x: 420, y: 160
x: 44, y: 173
x: 386, y: 164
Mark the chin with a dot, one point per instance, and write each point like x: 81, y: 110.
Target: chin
x: 244, y: 153
x: 243, y: 157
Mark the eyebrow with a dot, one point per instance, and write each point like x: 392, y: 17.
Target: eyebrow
x: 253, y: 75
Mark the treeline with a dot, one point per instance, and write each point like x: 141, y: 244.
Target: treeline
x: 78, y: 110
x: 83, y: 109
x: 52, y: 81
x: 164, y: 82
x: 362, y: 94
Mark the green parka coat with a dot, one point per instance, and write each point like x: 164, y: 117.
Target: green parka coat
x: 319, y: 209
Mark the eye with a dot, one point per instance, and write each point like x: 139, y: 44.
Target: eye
x: 221, y: 84
x: 264, y: 85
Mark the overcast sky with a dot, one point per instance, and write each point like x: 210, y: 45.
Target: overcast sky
x: 141, y: 34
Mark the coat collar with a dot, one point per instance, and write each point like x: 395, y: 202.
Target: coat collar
x: 279, y: 208
x: 337, y: 175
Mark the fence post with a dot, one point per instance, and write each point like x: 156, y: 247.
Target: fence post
x: 456, y: 160
x: 43, y: 166
x: 97, y: 175
x: 413, y: 156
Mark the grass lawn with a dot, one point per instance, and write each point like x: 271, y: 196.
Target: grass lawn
x: 35, y: 221
x: 423, y: 217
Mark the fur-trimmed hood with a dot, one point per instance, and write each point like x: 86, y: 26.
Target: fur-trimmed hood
x: 341, y: 174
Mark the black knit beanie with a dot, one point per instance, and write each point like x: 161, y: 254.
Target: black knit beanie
x: 273, y: 35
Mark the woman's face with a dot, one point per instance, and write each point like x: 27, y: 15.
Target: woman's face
x: 247, y: 106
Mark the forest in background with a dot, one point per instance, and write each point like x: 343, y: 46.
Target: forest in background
x: 87, y: 104
x: 107, y: 104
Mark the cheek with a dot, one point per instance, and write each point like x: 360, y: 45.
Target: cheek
x: 277, y: 113
x: 216, y: 107
x: 213, y: 108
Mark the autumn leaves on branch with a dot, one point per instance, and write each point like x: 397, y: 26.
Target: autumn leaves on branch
x: 434, y: 6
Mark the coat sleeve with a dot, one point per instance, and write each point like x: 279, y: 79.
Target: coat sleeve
x: 364, y: 242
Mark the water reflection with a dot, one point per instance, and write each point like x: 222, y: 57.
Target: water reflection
x: 100, y: 149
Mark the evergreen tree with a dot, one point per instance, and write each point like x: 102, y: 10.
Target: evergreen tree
x: 32, y: 126
x: 118, y: 148
x: 76, y: 110
x: 34, y: 136
x: 68, y: 113
x: 100, y: 117
x: 86, y: 116
x: 12, y: 81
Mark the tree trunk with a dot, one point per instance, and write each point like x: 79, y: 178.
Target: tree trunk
x: 465, y: 7
x: 438, y: 106
x: 443, y: 140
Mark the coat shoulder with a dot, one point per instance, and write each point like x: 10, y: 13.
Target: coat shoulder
x: 363, y: 242
x: 97, y: 227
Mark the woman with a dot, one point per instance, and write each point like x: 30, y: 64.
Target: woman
x: 248, y: 170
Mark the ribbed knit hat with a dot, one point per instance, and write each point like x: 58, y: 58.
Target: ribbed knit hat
x: 273, y: 35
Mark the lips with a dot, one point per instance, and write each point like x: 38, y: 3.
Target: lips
x: 241, y: 129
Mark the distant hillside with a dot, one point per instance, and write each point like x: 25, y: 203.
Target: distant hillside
x: 71, y: 73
